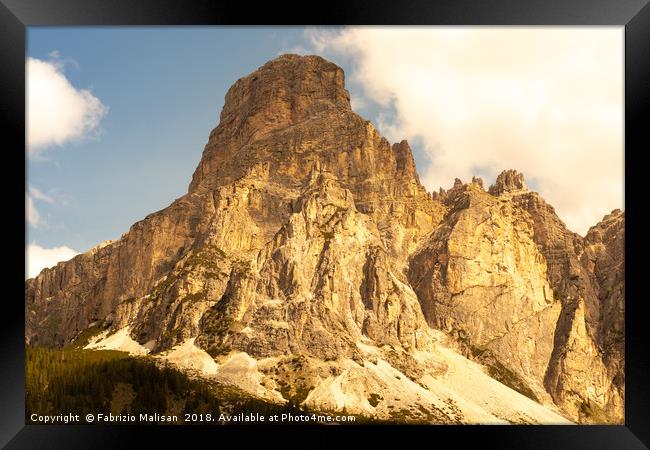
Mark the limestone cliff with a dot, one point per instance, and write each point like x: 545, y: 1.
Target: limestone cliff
x: 538, y: 304
x: 310, y: 264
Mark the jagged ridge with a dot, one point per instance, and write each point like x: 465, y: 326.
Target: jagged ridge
x: 304, y: 232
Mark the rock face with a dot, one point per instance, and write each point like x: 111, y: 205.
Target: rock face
x: 537, y: 303
x: 307, y: 259
x: 481, y: 278
x: 508, y: 181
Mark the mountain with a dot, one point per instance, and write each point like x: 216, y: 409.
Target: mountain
x: 308, y: 263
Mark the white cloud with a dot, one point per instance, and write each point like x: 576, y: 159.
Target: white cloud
x: 545, y: 101
x: 33, y: 216
x: 40, y: 195
x: 39, y: 258
x: 296, y: 49
x: 57, y: 112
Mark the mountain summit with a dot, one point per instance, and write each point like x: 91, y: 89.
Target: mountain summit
x: 308, y: 264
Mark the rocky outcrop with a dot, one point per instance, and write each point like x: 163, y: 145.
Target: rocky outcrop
x: 321, y: 283
x: 586, y: 303
x: 523, y: 295
x: 293, y: 114
x: 605, y: 257
x: 307, y: 260
x: 481, y: 278
x: 277, y: 124
x: 508, y: 181
x: 62, y: 301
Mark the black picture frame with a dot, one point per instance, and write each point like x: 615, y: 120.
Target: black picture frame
x: 634, y: 15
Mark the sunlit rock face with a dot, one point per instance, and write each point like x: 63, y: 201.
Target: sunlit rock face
x: 310, y: 263
x: 518, y: 291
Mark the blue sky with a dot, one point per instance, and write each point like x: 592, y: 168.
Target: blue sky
x: 163, y: 89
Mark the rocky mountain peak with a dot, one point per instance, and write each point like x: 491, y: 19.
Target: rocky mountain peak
x: 308, y: 252
x: 509, y: 181
x: 286, y: 90
x: 458, y: 191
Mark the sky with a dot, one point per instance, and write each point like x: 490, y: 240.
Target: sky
x: 118, y: 116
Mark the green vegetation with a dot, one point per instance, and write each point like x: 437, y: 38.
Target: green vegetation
x: 53, y: 322
x: 165, y: 284
x: 84, y: 337
x: 208, y: 257
x: 83, y: 381
x: 89, y: 381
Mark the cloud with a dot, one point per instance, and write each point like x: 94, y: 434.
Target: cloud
x: 545, y: 101
x: 39, y: 258
x: 57, y: 112
x: 296, y: 49
x: 39, y: 195
x: 33, y: 216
